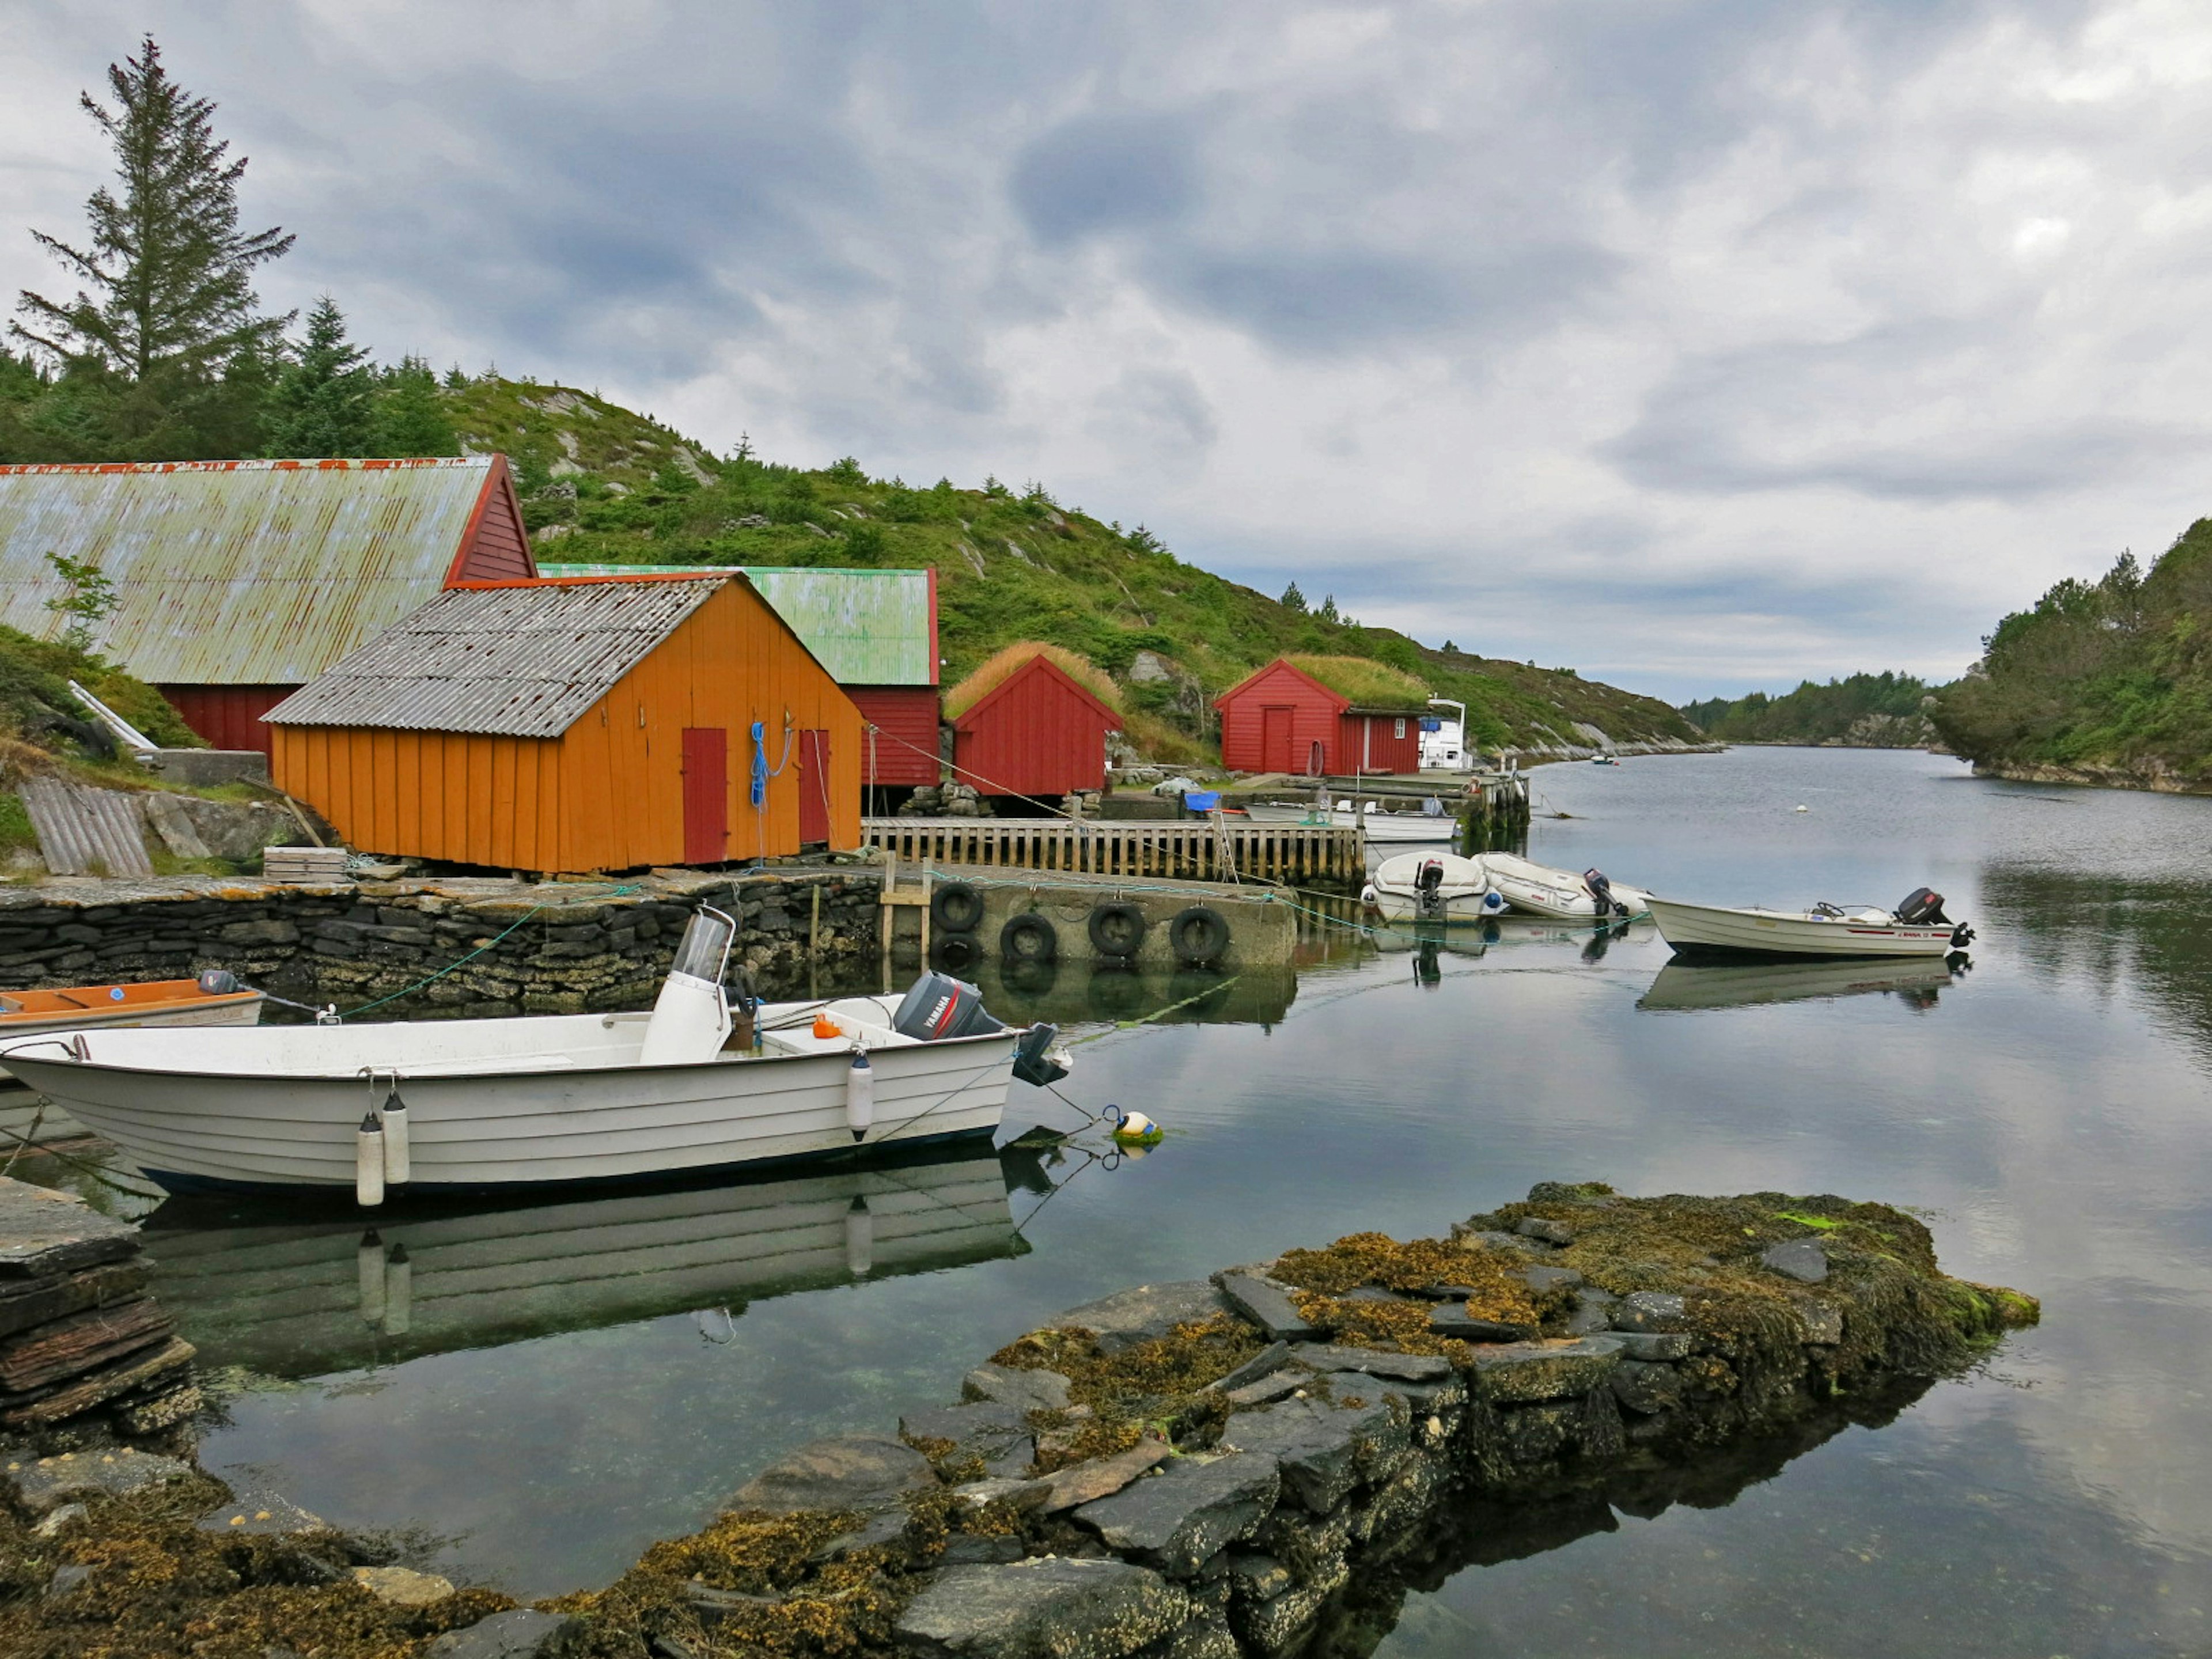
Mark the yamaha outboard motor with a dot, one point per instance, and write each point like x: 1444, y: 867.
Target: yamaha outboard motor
x: 1428, y: 895
x: 1033, y: 1060
x: 939, y: 1006
x: 1600, y: 892
x: 1923, y: 907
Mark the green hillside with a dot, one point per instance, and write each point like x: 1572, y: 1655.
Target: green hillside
x: 1865, y: 711
x: 602, y: 483
x: 2109, y: 679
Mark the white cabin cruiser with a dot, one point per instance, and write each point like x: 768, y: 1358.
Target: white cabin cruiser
x: 1431, y: 887
x: 1916, y: 927
x: 498, y: 1104
x: 1562, y: 894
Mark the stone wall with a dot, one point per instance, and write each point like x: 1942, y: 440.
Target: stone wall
x: 549, y: 948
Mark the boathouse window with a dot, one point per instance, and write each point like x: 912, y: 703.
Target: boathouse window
x: 1400, y: 730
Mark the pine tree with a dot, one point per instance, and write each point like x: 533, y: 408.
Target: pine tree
x: 1293, y: 599
x: 168, y: 300
x: 409, y: 416
x: 322, y: 402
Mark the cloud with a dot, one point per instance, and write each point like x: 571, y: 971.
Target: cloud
x: 1702, y: 342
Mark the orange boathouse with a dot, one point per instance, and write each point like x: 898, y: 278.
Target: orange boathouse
x: 595, y: 724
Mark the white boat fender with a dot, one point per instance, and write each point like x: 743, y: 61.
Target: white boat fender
x: 398, y: 1160
x: 1133, y: 1128
x: 398, y: 1292
x: 1801, y: 807
x: 1492, y: 901
x: 368, y: 1270
x: 1369, y: 896
x: 859, y: 1238
x: 859, y: 1095
x: 369, y: 1162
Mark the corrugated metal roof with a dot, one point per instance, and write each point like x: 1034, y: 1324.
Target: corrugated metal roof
x: 83, y: 831
x: 526, y: 661
x: 230, y: 572
x: 866, y: 627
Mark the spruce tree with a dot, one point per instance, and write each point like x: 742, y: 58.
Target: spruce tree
x: 410, y: 417
x: 323, y: 401
x: 167, y: 302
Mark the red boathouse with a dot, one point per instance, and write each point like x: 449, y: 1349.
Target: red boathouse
x: 1038, y: 732
x: 1287, y: 718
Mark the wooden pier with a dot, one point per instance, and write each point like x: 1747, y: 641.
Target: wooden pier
x: 1190, y: 849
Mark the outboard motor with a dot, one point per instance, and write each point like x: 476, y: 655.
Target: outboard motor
x: 1033, y: 1058
x: 218, y: 982
x: 1601, y: 892
x: 939, y: 1006
x: 1923, y: 907
x: 1428, y: 894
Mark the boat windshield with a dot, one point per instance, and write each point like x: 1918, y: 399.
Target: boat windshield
x: 705, y: 945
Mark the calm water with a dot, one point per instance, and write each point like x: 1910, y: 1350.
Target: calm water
x: 568, y: 1382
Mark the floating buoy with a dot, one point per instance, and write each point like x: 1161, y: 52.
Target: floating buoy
x: 398, y: 1291
x: 368, y: 1163
x: 398, y: 1160
x: 859, y: 1095
x: 369, y: 1264
x: 859, y: 1238
x: 1802, y: 807
x: 1135, y: 1128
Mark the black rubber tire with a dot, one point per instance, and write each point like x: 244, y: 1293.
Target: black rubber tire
x: 1199, y: 936
x: 1117, y: 930
x: 1029, y: 937
x: 956, y: 908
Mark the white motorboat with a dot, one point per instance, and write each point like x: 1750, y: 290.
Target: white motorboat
x: 494, y: 1103
x: 1562, y: 894
x: 1431, y: 887
x: 1917, y: 929
x: 1378, y: 824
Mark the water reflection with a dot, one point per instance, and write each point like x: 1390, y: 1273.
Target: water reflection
x: 1083, y: 993
x: 307, y: 1295
x: 1684, y: 986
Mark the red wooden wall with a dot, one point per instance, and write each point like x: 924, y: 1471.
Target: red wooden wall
x: 1388, y: 742
x: 494, y: 548
x: 227, y: 716
x: 1313, y: 718
x: 1038, y: 733
x: 903, y: 748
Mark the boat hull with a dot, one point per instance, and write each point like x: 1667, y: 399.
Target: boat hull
x: 1465, y: 894
x: 1713, y: 930
x: 24, y: 1116
x: 1409, y: 827
x: 478, y: 1132
x: 1559, y: 895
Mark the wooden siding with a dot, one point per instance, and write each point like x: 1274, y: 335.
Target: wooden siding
x: 1377, y: 744
x: 608, y: 794
x: 227, y: 716
x: 1037, y: 734
x: 496, y: 548
x: 903, y: 748
x: 1315, y: 719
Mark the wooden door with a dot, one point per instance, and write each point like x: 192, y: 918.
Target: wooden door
x: 1275, y: 721
x: 813, y: 787
x: 705, y: 794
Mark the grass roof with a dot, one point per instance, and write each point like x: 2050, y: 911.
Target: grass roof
x: 1368, y: 684
x: 1003, y: 664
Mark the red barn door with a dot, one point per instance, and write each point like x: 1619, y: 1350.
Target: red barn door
x: 1276, y: 720
x: 813, y: 787
x: 705, y: 794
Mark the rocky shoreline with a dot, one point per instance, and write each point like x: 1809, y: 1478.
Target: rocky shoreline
x: 1260, y: 1463
x: 2152, y: 774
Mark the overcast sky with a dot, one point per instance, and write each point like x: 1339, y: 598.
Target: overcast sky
x: 1701, y: 346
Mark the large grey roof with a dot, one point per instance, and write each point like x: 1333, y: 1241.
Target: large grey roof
x: 231, y: 573
x: 526, y: 661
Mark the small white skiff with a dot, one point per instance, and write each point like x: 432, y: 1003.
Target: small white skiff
x: 1431, y: 887
x: 489, y: 1103
x: 1827, y: 930
x: 1377, y: 825
x: 1562, y: 894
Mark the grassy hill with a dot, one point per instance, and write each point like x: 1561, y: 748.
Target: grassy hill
x: 601, y: 482
x: 1865, y: 711
x: 2108, y: 680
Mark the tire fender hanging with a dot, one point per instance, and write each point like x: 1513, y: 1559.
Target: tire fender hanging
x: 1029, y: 938
x: 1199, y: 936
x: 956, y: 907
x: 1117, y: 928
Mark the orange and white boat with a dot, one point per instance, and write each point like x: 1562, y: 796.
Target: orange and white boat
x: 216, y: 998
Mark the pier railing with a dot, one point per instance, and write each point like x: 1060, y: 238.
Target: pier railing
x: 1190, y: 849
